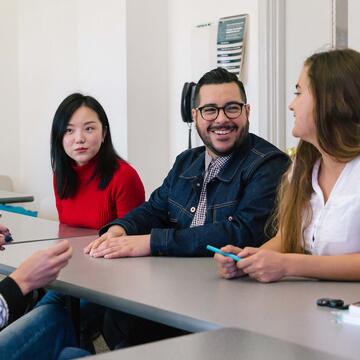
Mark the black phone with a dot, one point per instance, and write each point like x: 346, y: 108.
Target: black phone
x: 187, y: 101
x: 332, y: 303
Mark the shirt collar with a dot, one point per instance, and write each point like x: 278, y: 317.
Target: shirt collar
x: 208, y: 160
x: 228, y: 172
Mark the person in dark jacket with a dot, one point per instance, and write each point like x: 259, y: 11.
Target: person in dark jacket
x: 43, y: 332
x: 215, y: 194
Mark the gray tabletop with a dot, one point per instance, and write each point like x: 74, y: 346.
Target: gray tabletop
x: 27, y: 228
x: 7, y: 197
x: 219, y: 344
x: 187, y: 293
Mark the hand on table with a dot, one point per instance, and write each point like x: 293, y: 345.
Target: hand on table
x: 261, y: 264
x: 113, y: 232
x: 227, y: 266
x: 122, y: 246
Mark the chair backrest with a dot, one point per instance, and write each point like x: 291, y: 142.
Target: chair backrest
x: 47, y: 209
x: 6, y: 183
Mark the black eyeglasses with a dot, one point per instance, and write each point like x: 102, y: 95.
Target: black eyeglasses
x: 232, y: 110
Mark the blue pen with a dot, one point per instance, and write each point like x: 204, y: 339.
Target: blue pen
x: 218, y: 251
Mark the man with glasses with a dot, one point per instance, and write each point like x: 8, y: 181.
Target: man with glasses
x: 221, y: 193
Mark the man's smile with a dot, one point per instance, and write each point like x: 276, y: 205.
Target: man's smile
x: 222, y: 130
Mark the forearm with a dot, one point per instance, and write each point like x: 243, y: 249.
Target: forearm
x: 139, y: 221
x: 340, y: 267
x: 151, y: 214
x: 273, y: 244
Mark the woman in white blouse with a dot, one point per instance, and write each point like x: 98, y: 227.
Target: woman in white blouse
x: 319, y: 198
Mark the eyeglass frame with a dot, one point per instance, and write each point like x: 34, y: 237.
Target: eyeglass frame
x: 218, y: 108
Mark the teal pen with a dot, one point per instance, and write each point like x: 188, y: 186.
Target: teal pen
x: 218, y: 251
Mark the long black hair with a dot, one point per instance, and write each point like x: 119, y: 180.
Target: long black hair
x: 61, y: 163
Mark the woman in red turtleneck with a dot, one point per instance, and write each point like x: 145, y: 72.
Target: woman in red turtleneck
x: 92, y: 184
x: 92, y: 207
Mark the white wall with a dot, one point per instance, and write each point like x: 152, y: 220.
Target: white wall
x: 9, y: 103
x: 159, y: 62
x: 102, y: 61
x: 148, y: 94
x: 47, y: 72
x: 134, y: 56
x: 62, y: 47
x: 308, y: 29
x: 183, y: 17
x: 354, y: 24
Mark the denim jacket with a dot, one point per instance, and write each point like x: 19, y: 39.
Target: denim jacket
x: 239, y: 201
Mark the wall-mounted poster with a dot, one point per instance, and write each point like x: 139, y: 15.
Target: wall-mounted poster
x: 231, y: 42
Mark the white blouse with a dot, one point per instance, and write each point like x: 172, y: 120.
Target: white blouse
x: 335, y: 225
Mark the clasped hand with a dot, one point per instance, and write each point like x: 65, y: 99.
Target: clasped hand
x: 116, y: 243
x: 260, y: 264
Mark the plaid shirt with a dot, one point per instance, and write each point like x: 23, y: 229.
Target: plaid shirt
x: 213, y: 169
x: 4, y: 312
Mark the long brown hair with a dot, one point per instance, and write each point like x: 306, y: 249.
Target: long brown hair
x: 334, y: 78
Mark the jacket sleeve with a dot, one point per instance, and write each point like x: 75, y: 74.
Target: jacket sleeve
x: 246, y: 227
x: 16, y: 302
x: 151, y: 214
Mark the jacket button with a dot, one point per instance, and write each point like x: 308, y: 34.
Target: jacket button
x: 193, y: 209
x: 230, y: 218
x: 198, y: 184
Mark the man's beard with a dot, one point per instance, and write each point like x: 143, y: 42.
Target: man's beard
x: 239, y: 141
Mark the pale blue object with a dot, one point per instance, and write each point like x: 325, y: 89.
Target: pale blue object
x: 218, y: 251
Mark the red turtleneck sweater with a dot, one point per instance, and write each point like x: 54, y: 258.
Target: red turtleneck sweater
x: 94, y: 208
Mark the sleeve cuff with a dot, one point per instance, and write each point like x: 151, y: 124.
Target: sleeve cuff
x: 123, y: 223
x: 16, y: 301
x: 159, y: 241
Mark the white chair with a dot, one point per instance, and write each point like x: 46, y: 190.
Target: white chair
x: 47, y: 209
x: 6, y: 183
